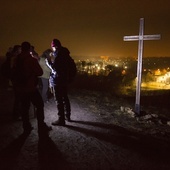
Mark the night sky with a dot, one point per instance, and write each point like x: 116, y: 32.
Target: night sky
x: 87, y: 28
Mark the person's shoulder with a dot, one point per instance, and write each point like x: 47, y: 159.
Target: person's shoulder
x: 41, y: 60
x: 33, y: 59
x: 30, y: 60
x: 65, y: 50
x: 24, y: 56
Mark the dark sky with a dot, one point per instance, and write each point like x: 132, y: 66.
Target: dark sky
x: 85, y: 27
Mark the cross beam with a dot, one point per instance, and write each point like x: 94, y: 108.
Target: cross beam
x: 140, y: 38
x: 145, y: 37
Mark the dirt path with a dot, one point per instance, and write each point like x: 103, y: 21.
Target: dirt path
x: 96, y: 139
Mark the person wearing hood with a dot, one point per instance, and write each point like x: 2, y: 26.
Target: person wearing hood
x: 59, y: 80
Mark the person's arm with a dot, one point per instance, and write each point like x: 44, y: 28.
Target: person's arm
x: 50, y: 66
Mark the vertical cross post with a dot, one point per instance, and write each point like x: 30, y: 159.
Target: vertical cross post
x: 140, y: 39
x: 139, y: 67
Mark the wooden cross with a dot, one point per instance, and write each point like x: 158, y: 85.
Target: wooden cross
x: 140, y: 39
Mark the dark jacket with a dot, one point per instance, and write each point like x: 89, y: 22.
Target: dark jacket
x: 59, y: 74
x: 30, y: 71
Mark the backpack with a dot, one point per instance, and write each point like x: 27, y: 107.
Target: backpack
x: 72, y: 69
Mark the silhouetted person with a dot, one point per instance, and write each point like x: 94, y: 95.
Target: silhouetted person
x: 59, y: 80
x: 26, y: 81
x: 7, y: 69
x: 17, y: 103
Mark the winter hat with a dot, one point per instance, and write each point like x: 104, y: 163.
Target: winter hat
x: 55, y: 43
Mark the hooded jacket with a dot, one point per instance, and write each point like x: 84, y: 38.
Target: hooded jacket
x: 59, y: 67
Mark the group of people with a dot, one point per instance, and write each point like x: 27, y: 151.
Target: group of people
x: 52, y: 69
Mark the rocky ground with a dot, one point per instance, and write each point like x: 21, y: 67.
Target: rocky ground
x: 104, y: 134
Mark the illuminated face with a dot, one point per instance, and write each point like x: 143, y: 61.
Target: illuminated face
x: 54, y: 48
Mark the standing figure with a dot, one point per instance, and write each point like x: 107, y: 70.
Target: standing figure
x: 17, y: 103
x: 6, y: 67
x: 25, y: 78
x: 7, y: 71
x: 46, y: 75
x: 59, y: 80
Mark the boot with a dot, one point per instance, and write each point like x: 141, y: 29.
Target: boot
x: 67, y: 117
x: 59, y: 122
x: 43, y: 130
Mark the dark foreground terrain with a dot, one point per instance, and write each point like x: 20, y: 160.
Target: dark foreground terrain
x: 100, y: 136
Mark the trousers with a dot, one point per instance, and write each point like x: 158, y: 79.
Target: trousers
x: 35, y: 98
x: 62, y: 101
